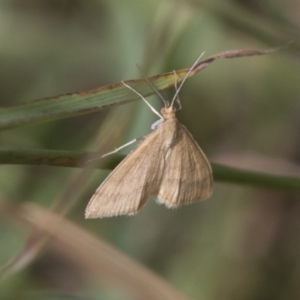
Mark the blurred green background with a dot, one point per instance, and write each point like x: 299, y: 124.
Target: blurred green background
x: 244, y: 242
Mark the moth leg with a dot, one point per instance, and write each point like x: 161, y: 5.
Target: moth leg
x: 112, y: 152
x: 118, y: 149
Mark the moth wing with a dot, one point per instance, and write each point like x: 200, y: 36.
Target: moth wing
x: 188, y: 176
x: 131, y: 183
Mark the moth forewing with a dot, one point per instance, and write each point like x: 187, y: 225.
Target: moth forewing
x: 132, y: 182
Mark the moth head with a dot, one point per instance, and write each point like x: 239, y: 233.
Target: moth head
x: 168, y: 112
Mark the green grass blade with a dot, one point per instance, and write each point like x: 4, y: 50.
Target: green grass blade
x: 83, y: 102
x: 76, y: 158
x: 74, y: 104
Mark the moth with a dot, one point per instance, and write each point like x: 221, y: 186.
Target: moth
x: 168, y: 165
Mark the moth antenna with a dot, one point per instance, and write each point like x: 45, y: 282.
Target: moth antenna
x: 185, y: 77
x: 151, y: 85
x: 139, y: 94
x: 176, y: 88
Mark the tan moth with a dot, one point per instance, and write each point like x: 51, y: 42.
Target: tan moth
x: 167, y: 165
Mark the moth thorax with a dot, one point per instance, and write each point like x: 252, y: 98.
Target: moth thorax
x: 168, y: 112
